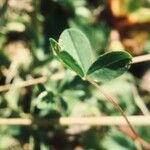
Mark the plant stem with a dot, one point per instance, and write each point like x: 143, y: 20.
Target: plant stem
x: 117, y: 107
x: 136, y: 137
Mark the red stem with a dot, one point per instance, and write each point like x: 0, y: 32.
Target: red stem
x: 134, y: 136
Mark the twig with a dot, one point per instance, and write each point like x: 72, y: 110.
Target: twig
x: 141, y: 58
x: 110, y: 99
x: 16, y: 121
x: 116, y: 106
x: 106, y: 120
x: 139, y: 102
x: 30, y: 82
x: 23, y: 84
x: 91, y: 121
x: 97, y: 11
x: 58, y: 76
x: 55, y: 77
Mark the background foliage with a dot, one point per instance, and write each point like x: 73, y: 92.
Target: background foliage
x: 25, y: 53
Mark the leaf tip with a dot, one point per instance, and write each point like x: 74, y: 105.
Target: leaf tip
x: 54, y: 46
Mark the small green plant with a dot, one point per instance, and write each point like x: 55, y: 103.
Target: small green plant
x: 74, y: 50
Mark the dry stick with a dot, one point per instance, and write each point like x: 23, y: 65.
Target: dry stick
x: 34, y: 81
x: 141, y: 58
x: 105, y: 120
x: 30, y: 82
x: 23, y: 84
x: 145, y: 111
x: 91, y: 121
x: 16, y: 121
x: 139, y: 102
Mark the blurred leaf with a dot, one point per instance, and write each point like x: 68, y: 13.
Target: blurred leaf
x: 121, y: 8
x: 145, y: 132
x: 3, y: 8
x: 8, y: 142
x: 13, y: 95
x: 71, y: 3
x: 141, y: 15
x: 131, y: 5
x: 91, y: 140
x: 4, y: 60
x: 116, y: 140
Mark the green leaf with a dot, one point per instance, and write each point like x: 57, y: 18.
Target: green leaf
x: 109, y: 66
x: 66, y: 58
x: 78, y: 47
x: 70, y: 62
x: 74, y: 50
x: 54, y: 46
x: 3, y: 8
x: 4, y: 60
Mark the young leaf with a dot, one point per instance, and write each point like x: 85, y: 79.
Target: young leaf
x: 70, y: 62
x: 65, y: 57
x: 54, y: 46
x: 109, y: 66
x: 78, y: 47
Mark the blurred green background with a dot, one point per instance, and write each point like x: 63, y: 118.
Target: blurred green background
x: 25, y: 29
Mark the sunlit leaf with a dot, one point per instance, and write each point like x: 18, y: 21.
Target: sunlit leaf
x: 54, y: 46
x: 66, y: 58
x: 109, y: 65
x: 70, y: 62
x: 78, y: 47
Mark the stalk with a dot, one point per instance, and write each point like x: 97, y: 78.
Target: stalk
x: 110, y: 99
x: 117, y: 107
